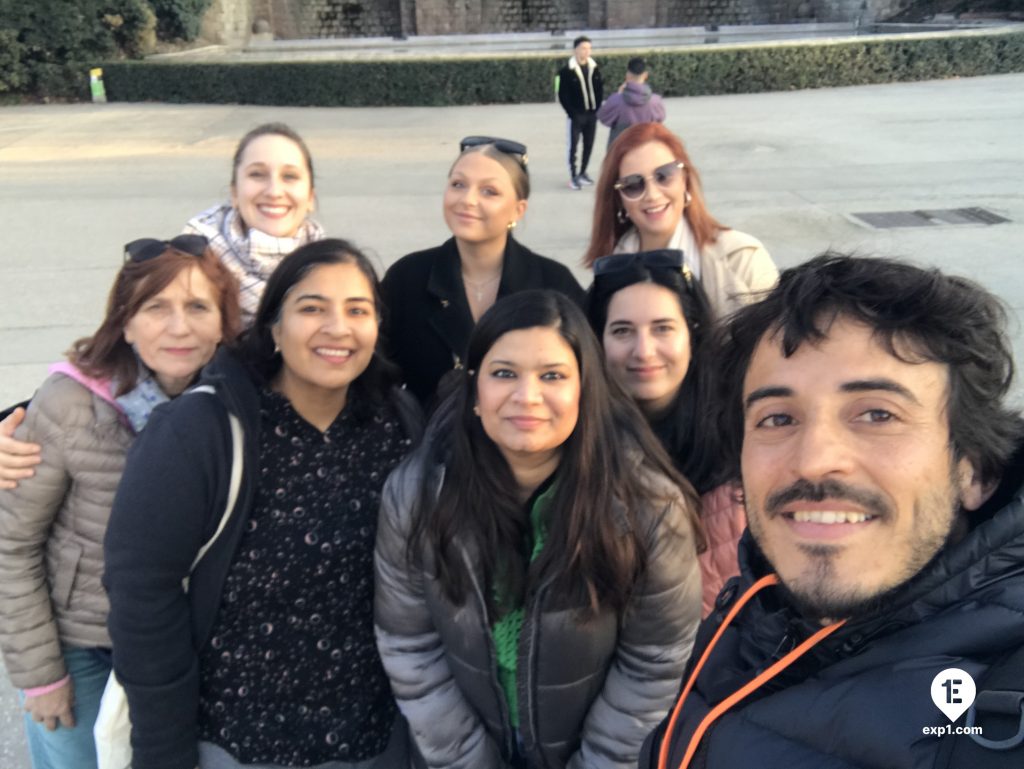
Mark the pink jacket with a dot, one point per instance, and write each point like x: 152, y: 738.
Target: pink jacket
x: 724, y: 520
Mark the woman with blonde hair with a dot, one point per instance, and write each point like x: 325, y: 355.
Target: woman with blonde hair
x: 435, y: 297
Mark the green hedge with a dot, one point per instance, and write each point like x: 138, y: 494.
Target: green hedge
x: 47, y: 46
x: 528, y: 78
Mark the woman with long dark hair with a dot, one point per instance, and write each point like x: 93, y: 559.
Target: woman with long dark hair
x: 171, y: 304
x: 655, y: 325
x: 269, y: 657
x: 537, y: 585
x: 434, y: 297
x: 649, y: 196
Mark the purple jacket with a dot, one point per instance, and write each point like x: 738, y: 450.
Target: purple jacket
x: 636, y: 104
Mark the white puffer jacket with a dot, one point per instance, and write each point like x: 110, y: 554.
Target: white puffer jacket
x: 51, y: 532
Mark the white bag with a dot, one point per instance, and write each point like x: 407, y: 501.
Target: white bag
x: 113, y: 728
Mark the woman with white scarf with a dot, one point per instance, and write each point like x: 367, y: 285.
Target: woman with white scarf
x: 267, y: 217
x: 272, y: 195
x: 649, y: 197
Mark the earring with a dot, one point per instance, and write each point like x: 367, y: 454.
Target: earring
x: 476, y: 410
x: 622, y: 216
x: 277, y: 349
x: 688, y: 198
x: 512, y: 225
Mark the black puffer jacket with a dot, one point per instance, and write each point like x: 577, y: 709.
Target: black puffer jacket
x: 588, y: 692
x: 861, y: 698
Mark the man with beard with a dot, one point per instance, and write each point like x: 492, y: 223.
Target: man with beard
x: 865, y: 404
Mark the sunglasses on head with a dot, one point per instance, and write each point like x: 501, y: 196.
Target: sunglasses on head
x: 661, y: 259
x: 507, y: 146
x: 144, y: 249
x: 633, y: 186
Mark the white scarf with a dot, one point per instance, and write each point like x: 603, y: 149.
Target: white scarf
x: 250, y: 254
x: 682, y: 239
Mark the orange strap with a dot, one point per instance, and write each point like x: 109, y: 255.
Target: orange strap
x: 752, y: 685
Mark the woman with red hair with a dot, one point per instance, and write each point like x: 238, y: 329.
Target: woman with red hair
x: 649, y: 197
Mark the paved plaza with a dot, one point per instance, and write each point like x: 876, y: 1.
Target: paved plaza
x: 78, y: 181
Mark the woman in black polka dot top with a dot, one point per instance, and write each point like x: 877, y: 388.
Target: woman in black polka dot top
x: 269, y: 658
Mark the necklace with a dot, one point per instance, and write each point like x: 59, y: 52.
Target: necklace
x: 479, y: 288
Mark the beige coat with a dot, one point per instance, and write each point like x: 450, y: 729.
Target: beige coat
x: 734, y: 270
x: 51, y: 532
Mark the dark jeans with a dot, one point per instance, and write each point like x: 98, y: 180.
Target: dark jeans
x: 584, y: 124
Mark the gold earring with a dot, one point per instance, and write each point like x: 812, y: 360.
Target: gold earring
x: 512, y: 225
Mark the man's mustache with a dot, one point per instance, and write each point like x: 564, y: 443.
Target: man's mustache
x: 804, y: 490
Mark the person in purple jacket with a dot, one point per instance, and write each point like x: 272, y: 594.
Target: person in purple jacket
x: 634, y: 102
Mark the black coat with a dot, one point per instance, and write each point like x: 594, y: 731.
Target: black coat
x: 860, y: 698
x: 427, y: 320
x: 571, y: 87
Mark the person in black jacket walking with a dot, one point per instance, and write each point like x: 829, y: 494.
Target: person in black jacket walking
x: 865, y: 406
x: 580, y: 92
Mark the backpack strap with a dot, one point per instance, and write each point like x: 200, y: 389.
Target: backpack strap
x: 999, y: 710
x: 235, y: 483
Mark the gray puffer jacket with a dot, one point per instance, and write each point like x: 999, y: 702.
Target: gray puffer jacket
x: 51, y: 532
x: 589, y: 692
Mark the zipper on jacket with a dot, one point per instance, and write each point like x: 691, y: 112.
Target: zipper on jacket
x: 528, y: 638
x: 506, y: 721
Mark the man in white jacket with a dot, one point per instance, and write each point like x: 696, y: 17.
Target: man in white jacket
x: 580, y: 92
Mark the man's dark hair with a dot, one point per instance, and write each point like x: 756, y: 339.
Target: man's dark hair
x: 636, y: 66
x: 917, y: 314
x: 580, y: 39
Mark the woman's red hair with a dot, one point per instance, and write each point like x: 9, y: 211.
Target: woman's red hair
x: 607, y: 229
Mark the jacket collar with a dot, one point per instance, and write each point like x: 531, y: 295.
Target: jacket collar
x: 575, y: 65
x: 448, y: 309
x: 235, y: 386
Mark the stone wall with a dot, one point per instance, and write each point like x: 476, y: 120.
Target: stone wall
x: 351, y: 18
x: 535, y: 15
x: 227, y: 21
x: 397, y: 18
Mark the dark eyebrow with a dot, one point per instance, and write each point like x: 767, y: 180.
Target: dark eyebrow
x: 322, y: 298
x: 856, y: 386
x: 513, y: 364
x: 885, y: 385
x: 766, y: 392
